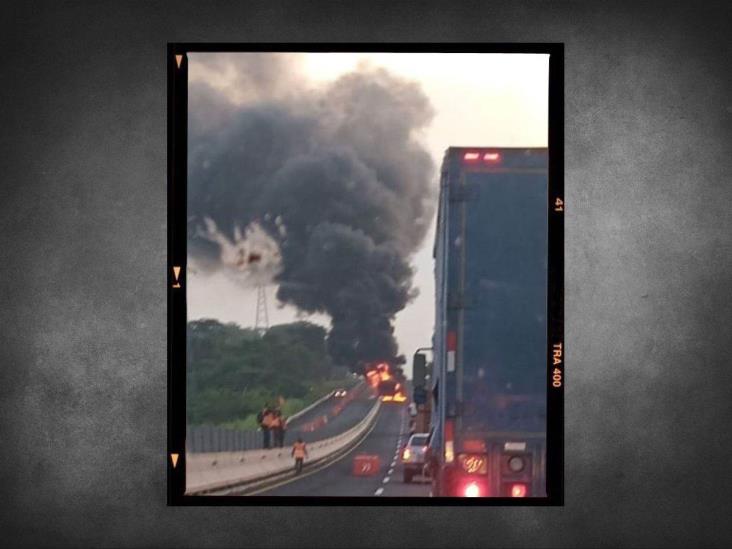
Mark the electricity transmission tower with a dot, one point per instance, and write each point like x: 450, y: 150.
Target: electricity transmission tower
x: 261, y: 321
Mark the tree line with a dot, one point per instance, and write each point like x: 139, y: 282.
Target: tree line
x: 233, y: 371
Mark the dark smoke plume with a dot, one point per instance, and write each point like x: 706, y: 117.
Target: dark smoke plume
x: 333, y: 174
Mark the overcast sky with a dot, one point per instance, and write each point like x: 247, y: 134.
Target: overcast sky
x: 488, y: 100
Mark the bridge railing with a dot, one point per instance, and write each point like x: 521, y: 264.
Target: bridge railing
x: 201, y: 439
x: 219, y: 470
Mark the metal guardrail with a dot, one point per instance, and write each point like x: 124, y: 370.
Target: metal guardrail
x: 202, y: 439
x: 207, y: 438
x: 310, y: 407
x: 221, y: 472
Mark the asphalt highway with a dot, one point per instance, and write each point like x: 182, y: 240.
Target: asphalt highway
x: 337, y: 479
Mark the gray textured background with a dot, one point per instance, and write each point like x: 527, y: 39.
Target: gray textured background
x: 82, y: 299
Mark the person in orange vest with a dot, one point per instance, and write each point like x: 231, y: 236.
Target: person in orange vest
x: 299, y: 452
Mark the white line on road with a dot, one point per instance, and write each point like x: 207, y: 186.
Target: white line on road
x: 386, y: 479
x: 379, y: 492
x: 393, y: 463
x: 390, y: 471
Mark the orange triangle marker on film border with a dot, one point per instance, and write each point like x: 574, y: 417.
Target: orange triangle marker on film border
x: 178, y: 60
x: 174, y: 459
x: 176, y: 274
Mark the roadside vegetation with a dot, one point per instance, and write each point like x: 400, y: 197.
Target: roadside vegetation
x: 233, y: 372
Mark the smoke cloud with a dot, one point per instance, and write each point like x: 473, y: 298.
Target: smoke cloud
x: 250, y: 258
x: 334, y: 175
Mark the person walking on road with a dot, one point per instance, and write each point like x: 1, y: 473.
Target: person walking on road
x: 299, y: 452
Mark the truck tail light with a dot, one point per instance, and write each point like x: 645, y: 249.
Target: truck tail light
x: 451, y: 341
x: 492, y: 157
x: 516, y: 464
x: 449, y: 452
x: 471, y: 156
x: 451, y: 348
x: 471, y: 490
x: 449, y: 446
x: 518, y: 491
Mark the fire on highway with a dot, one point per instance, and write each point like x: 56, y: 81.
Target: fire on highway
x: 366, y: 300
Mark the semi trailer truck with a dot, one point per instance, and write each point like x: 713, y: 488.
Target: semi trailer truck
x: 488, y: 386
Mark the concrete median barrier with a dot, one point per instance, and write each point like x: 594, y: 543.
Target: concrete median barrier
x: 215, y: 471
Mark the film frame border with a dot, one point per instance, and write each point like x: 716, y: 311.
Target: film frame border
x: 177, y: 161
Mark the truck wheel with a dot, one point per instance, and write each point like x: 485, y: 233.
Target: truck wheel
x: 408, y: 476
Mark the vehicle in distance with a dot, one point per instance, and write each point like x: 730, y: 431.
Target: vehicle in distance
x: 389, y: 382
x: 392, y: 391
x: 340, y: 393
x: 414, y: 455
x: 490, y: 346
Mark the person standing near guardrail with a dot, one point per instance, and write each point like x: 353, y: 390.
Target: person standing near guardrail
x: 283, y: 430
x: 265, y: 418
x: 278, y: 429
x: 299, y: 452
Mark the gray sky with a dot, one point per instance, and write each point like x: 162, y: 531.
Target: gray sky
x: 488, y: 100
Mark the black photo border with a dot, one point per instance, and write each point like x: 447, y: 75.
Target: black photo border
x: 177, y: 258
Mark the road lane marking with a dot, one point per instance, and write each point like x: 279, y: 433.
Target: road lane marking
x: 386, y: 479
x: 393, y: 463
x: 379, y: 492
x: 390, y: 471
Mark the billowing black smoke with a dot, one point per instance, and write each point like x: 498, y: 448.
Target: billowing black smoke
x: 333, y: 174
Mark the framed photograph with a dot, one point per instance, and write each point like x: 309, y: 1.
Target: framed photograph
x: 365, y: 274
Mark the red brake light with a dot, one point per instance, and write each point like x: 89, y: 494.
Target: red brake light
x: 451, y: 341
x: 472, y: 490
x: 471, y: 156
x: 492, y: 157
x: 518, y: 491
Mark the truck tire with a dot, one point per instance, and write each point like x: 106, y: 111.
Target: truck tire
x: 408, y: 476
